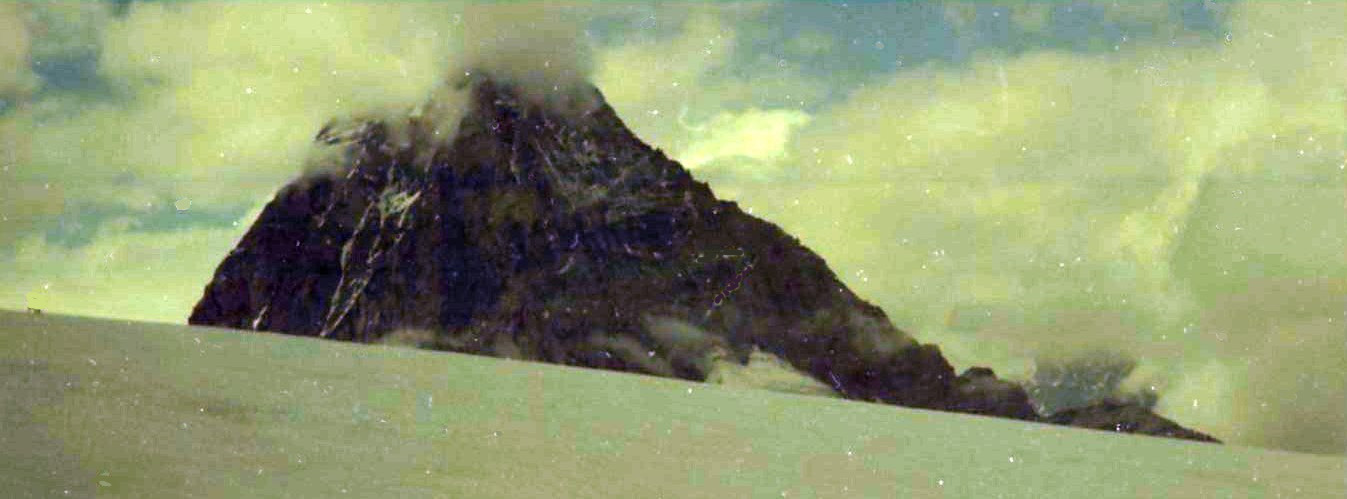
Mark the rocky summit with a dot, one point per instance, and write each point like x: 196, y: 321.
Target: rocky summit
x: 544, y: 229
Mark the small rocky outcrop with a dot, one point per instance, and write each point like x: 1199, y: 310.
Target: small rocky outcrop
x: 1124, y: 417
x: 979, y: 391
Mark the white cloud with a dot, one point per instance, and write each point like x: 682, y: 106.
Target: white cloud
x: 1085, y: 200
x: 16, y: 78
x: 213, y: 94
x: 755, y: 134
x: 123, y: 273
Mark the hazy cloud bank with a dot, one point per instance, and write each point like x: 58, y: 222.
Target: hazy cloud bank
x: 1136, y: 200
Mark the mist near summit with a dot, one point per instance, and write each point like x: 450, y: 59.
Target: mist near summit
x: 1145, y: 199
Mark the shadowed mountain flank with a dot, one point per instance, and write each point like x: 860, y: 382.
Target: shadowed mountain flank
x: 544, y: 229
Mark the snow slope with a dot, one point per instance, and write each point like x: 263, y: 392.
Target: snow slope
x: 129, y: 409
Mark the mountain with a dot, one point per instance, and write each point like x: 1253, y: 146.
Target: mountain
x: 543, y: 229
x: 1113, y: 415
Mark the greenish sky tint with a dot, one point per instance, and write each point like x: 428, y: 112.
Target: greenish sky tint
x: 1015, y: 181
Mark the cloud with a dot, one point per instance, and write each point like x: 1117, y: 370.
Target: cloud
x: 1050, y: 202
x: 752, y: 136
x: 213, y: 106
x: 696, y: 84
x: 538, y: 45
x: 700, y: 88
x: 67, y: 40
x: 1275, y: 345
x: 23, y: 205
x: 650, y: 82
x: 1063, y: 382
x: 765, y: 371
x: 123, y: 273
x: 16, y: 77
x: 679, y: 343
x: 177, y: 101
x: 186, y: 98
x: 684, y: 344
x: 1294, y: 394
x: 243, y: 107
x: 204, y: 94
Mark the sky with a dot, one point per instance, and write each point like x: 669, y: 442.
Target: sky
x: 1150, y: 196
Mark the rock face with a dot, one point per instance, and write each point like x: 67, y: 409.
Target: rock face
x: 979, y: 391
x: 549, y: 232
x: 1112, y: 415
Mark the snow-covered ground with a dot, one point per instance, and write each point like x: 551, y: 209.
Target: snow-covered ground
x: 152, y: 410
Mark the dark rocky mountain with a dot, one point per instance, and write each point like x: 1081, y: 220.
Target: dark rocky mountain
x: 547, y: 231
x: 1125, y: 417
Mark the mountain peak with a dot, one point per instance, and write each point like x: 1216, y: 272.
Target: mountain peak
x: 544, y: 229
x: 530, y: 223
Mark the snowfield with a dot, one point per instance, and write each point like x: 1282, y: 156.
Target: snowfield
x: 115, y: 408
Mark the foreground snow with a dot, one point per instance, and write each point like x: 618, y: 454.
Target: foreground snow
x: 149, y: 410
